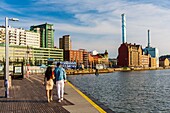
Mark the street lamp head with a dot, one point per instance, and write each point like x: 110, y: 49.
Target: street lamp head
x: 13, y: 19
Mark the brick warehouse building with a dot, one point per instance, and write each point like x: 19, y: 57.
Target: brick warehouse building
x: 73, y: 56
x: 129, y: 55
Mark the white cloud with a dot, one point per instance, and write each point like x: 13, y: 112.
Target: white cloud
x: 140, y: 18
x: 102, y: 29
x: 106, y: 21
x: 101, y: 21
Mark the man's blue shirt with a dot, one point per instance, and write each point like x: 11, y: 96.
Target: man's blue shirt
x: 59, y: 73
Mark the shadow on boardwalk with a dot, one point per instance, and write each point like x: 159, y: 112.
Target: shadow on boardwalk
x: 28, y: 96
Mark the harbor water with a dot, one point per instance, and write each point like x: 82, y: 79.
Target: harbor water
x: 128, y: 92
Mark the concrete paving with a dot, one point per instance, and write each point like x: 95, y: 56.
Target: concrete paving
x: 80, y: 104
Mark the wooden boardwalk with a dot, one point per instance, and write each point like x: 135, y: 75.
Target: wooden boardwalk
x: 28, y: 96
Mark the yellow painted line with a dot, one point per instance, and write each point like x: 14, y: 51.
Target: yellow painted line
x: 87, y: 98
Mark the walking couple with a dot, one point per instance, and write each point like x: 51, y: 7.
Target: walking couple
x: 55, y: 75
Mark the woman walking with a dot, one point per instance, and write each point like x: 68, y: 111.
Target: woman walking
x: 48, y: 80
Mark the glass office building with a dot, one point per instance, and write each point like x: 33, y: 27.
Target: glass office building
x: 31, y: 55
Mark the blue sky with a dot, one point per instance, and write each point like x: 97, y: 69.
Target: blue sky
x: 95, y: 24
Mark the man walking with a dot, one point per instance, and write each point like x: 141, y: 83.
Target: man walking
x: 60, y: 77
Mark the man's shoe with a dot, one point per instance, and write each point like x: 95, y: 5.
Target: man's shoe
x: 62, y: 98
x: 59, y: 100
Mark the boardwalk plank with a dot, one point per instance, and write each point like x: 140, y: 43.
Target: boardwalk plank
x: 29, y: 97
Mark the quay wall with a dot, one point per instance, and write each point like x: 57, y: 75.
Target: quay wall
x: 111, y: 70
x: 38, y: 70
x: 34, y: 70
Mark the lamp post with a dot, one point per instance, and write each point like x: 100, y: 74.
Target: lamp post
x: 27, y: 55
x: 27, y: 63
x: 7, y: 55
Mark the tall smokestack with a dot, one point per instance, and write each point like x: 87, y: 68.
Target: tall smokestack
x: 148, y: 38
x: 123, y: 28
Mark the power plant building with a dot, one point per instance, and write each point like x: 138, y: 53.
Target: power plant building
x: 154, y: 52
x: 131, y: 55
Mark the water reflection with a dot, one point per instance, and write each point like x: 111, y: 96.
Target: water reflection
x: 138, y: 91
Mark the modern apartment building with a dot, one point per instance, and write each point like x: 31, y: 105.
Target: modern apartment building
x: 33, y: 55
x: 32, y: 39
x: 18, y: 36
x: 2, y: 35
x: 46, y: 34
x: 65, y: 42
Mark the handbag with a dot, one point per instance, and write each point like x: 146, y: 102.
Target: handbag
x: 52, y: 76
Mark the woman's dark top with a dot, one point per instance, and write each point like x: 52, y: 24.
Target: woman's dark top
x: 48, y: 73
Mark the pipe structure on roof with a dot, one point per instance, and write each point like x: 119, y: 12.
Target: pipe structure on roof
x: 148, y: 38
